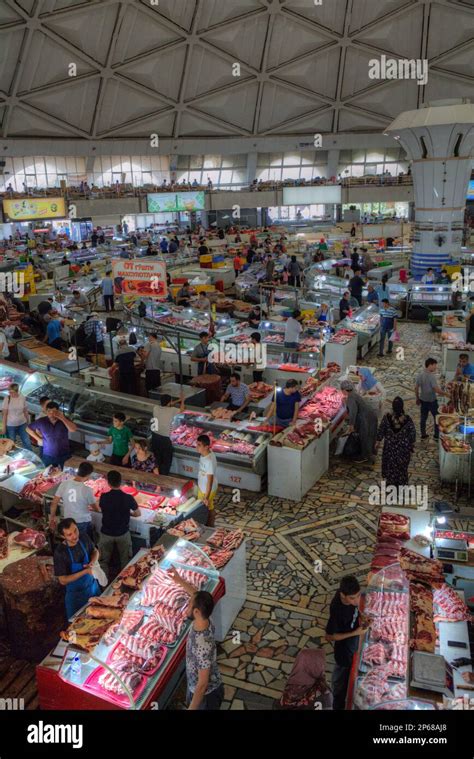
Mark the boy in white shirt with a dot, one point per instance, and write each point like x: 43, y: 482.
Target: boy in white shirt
x: 207, y: 477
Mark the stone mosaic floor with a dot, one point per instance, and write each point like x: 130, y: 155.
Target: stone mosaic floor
x: 287, y: 599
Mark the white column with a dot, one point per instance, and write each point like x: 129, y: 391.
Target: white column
x: 439, y: 139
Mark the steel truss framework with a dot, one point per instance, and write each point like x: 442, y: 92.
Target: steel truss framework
x: 168, y: 67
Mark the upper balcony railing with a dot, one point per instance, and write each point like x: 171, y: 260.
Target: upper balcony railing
x: 86, y: 191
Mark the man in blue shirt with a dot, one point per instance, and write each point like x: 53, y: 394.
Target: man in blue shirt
x: 53, y: 331
x: 287, y: 405
x: 388, y: 323
x: 464, y: 368
x: 164, y: 245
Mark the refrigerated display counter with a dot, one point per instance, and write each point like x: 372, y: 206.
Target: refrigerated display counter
x: 10, y: 373
x: 365, y: 321
x: 18, y: 461
x: 431, y: 296
x: 90, y: 674
x: 381, y: 672
x: 241, y: 453
x: 188, y: 321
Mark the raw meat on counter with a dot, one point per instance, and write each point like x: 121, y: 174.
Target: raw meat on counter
x: 111, y: 683
x: 375, y: 653
x: 218, y: 556
x: 142, y: 645
x: 327, y: 371
x: 373, y: 686
x: 226, y: 539
x: 4, y: 546
x: 424, y: 638
x: 309, y: 387
x: 131, y: 621
x: 387, y: 604
x: 417, y: 567
x: 173, y: 596
x: 221, y: 413
x: 29, y: 538
x: 452, y: 607
x: 389, y: 629
x: 5, y: 382
x: 186, y: 435
x: 325, y: 404
x: 188, y: 529
x: 35, y: 488
x: 394, y: 526
x: 342, y: 336
x: 259, y: 390
x: 421, y: 599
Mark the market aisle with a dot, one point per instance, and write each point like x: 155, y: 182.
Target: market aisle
x: 288, y: 601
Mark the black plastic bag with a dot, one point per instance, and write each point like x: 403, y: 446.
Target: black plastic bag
x: 352, y: 447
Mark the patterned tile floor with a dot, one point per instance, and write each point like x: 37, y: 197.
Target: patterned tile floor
x: 287, y: 600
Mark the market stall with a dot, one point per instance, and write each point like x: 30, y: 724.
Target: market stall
x: 126, y: 649
x: 365, y: 321
x: 240, y: 451
x: 412, y: 612
x: 163, y: 501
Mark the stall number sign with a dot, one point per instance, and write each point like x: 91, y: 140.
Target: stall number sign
x: 142, y: 279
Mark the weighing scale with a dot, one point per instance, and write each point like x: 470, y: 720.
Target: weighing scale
x: 432, y: 672
x: 447, y: 549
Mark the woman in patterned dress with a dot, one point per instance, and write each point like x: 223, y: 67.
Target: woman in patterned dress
x: 398, y: 432
x: 142, y: 459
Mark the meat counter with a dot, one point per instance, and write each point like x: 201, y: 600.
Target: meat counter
x: 9, y: 373
x: 241, y: 453
x: 188, y: 321
x: 394, y: 600
x: 163, y: 501
x: 148, y: 629
x: 365, y: 321
x: 91, y: 409
x: 381, y: 672
x: 17, y: 461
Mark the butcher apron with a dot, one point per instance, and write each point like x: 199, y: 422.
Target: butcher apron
x: 79, y: 591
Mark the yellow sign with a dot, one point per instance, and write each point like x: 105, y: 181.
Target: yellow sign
x: 25, y: 209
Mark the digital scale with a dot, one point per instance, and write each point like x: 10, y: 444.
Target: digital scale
x: 449, y: 549
x: 432, y: 672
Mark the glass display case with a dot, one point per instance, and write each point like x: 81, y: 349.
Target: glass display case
x: 38, y: 385
x: 10, y: 373
x: 430, y: 295
x: 94, y: 409
x: 382, y: 666
x: 405, y: 705
x: 141, y: 643
x: 189, y: 321
x: 232, y: 443
x: 365, y: 321
x: 19, y: 461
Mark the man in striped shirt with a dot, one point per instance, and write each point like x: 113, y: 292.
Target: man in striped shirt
x: 388, y: 323
x: 237, y: 393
